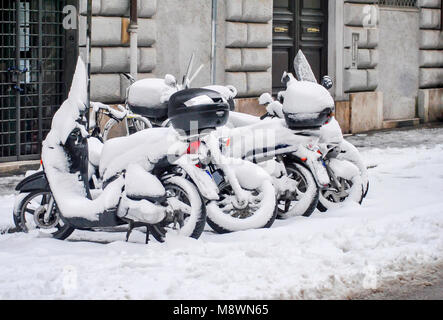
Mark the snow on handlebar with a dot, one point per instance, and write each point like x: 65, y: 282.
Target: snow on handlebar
x: 118, y: 114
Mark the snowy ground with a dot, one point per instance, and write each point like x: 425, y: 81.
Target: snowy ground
x: 398, y: 232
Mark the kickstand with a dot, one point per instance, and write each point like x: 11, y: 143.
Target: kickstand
x: 130, y: 228
x: 133, y: 225
x: 147, y: 234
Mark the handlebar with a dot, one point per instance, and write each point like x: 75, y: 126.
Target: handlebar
x: 117, y: 115
x: 129, y: 77
x: 266, y: 115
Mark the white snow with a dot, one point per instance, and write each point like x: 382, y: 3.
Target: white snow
x: 150, y: 92
x: 228, y: 92
x: 199, y: 100
x: 306, y: 97
x: 137, y: 180
x: 399, y: 229
x: 275, y: 108
x: 145, y: 148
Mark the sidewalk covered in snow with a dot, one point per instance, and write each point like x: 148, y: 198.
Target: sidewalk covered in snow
x: 343, y: 253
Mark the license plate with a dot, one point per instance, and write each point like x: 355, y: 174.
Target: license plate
x: 217, y: 177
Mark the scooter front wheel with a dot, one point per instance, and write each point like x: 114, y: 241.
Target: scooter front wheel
x: 188, y: 217
x: 351, y: 190
x: 305, y: 200
x: 225, y: 216
x: 38, y: 210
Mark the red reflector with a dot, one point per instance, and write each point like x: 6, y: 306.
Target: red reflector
x: 41, y: 162
x: 193, y: 147
x: 304, y: 159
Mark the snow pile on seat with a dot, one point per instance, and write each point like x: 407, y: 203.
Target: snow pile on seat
x: 238, y: 119
x: 149, y: 92
x: 306, y: 97
x: 145, y: 148
x: 140, y: 183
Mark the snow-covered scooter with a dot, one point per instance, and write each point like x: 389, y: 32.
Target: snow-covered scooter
x: 309, y: 137
x: 146, y: 104
x: 141, y: 181
x: 247, y: 196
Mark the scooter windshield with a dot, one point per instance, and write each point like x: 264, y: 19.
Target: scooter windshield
x: 70, y: 193
x: 303, y: 69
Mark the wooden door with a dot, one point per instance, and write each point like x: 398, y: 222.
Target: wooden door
x: 299, y: 24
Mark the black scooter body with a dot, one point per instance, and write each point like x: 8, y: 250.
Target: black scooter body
x: 35, y: 182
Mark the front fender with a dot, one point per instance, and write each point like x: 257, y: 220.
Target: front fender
x: 34, y: 182
x: 344, y: 169
x: 204, y: 182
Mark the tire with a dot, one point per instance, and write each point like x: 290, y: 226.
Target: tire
x: 138, y: 124
x: 366, y: 191
x: 191, y: 225
x: 26, y: 207
x: 224, y: 218
x: 351, y: 154
x: 107, y: 128
x: 330, y: 200
x: 306, y: 201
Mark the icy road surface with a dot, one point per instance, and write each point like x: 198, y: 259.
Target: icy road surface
x: 398, y: 232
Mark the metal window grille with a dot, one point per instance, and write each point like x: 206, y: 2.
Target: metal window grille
x: 32, y: 41
x: 398, y: 3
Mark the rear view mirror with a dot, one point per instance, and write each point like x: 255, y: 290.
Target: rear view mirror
x: 285, y: 78
x: 327, y: 82
x: 170, y: 80
x: 265, y: 99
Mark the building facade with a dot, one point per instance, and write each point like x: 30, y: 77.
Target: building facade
x: 385, y: 56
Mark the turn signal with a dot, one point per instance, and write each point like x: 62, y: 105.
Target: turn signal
x: 193, y: 147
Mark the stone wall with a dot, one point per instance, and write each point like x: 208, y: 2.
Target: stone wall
x: 360, y: 18
x: 110, y: 45
x: 247, y: 29
x: 430, y: 95
x: 183, y: 28
x: 398, y: 66
x: 431, y: 44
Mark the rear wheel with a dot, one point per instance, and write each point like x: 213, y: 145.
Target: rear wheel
x: 137, y: 124
x: 188, y: 211
x: 225, y: 215
x: 38, y: 210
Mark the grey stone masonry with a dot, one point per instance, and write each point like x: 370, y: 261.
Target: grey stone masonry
x: 248, y: 46
x: 361, y: 35
x: 431, y: 44
x: 110, y: 45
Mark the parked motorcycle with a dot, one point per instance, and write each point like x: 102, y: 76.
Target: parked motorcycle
x: 307, y: 145
x: 243, y: 205
x: 136, y: 186
x: 146, y: 104
x: 247, y: 196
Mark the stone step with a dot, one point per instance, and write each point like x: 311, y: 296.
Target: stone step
x: 391, y: 124
x: 18, y: 167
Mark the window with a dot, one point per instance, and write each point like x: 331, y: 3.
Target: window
x: 398, y: 3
